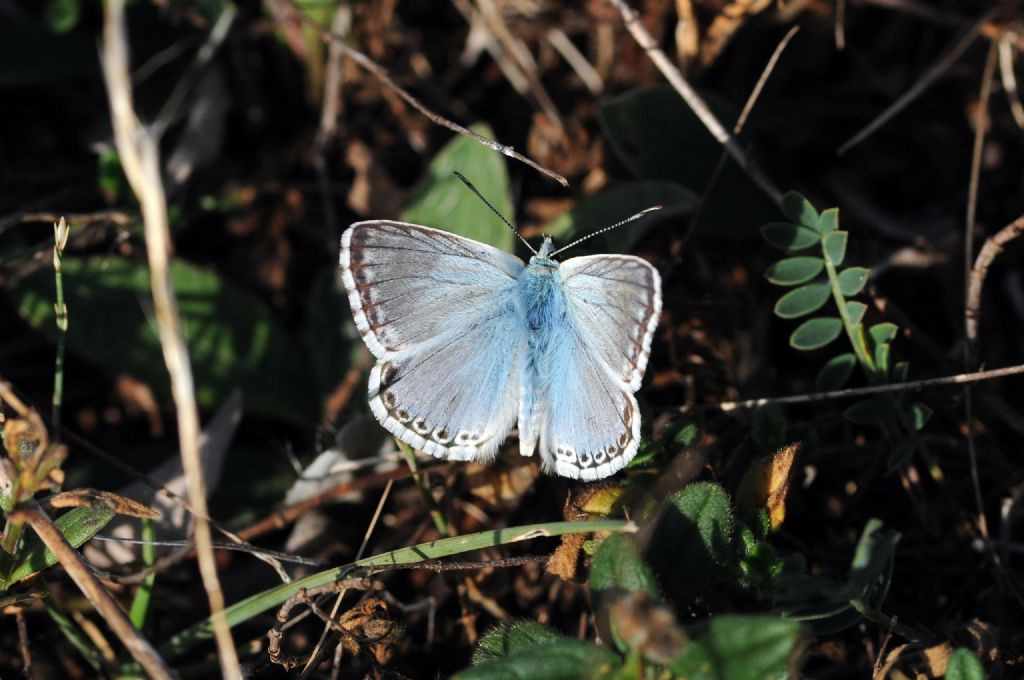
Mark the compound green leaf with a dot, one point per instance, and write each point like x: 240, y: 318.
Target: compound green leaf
x: 816, y: 333
x: 834, y: 245
x: 794, y: 270
x: 800, y: 211
x: 802, y: 301
x: 836, y: 372
x: 852, y: 280
x: 789, y: 237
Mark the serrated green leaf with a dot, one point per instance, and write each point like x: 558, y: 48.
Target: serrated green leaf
x: 692, y: 541
x: 836, y: 372
x: 802, y: 301
x: 513, y: 636
x: 794, y: 270
x: 234, y: 341
x: 919, y: 415
x: 869, y: 411
x: 769, y: 428
x: 883, y: 332
x: 789, y: 237
x: 617, y: 566
x: 852, y: 280
x: 963, y: 665
x: 829, y: 220
x: 740, y: 648
x: 800, y: 211
x: 77, y: 525
x: 834, y: 245
x: 816, y: 333
x: 442, y: 200
x: 855, y: 310
x: 566, y: 659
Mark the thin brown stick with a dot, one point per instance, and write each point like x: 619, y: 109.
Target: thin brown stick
x: 284, y: 8
x: 951, y: 56
x: 736, y: 129
x: 986, y: 256
x: 137, y: 645
x: 980, y: 126
x: 696, y: 103
x: 26, y: 655
x: 1009, y: 80
x: 913, y: 385
x: 139, y: 156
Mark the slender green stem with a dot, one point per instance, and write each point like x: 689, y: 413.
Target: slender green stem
x: 144, y: 595
x: 446, y: 547
x: 421, y: 482
x: 853, y: 332
x: 60, y: 236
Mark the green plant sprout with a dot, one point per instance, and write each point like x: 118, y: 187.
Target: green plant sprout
x: 815, y: 280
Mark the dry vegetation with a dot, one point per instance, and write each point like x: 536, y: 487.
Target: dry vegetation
x: 870, y: 538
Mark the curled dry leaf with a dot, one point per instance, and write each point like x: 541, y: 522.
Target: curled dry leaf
x: 766, y: 484
x: 94, y: 498
x: 647, y: 626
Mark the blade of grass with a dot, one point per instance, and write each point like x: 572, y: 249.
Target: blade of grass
x: 268, y: 599
x: 144, y: 595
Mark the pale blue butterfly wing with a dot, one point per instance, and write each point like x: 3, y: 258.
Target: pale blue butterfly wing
x: 590, y: 423
x: 467, y: 339
x: 439, y: 313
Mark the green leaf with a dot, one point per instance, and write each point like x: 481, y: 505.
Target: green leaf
x: 871, y: 411
x: 855, y: 310
x: 646, y: 127
x: 740, y: 648
x: 919, y: 415
x: 900, y: 370
x: 834, y: 245
x: 800, y: 211
x: 794, y: 270
x: 77, y: 525
x: 852, y: 280
x: 836, y: 372
x: 513, y: 636
x: 61, y: 15
x: 567, y: 659
x: 691, y: 546
x: 883, y: 332
x: 789, y: 237
x: 829, y: 220
x: 608, y: 207
x: 871, y: 568
x: 963, y: 665
x: 686, y: 433
x: 441, y: 199
x: 618, y: 567
x: 816, y: 333
x: 233, y: 339
x: 802, y: 301
x: 769, y: 428
x: 325, y: 335
x: 882, y: 353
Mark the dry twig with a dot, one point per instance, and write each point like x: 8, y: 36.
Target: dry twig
x: 138, y: 646
x: 140, y: 160
x: 989, y: 252
x: 675, y: 78
x: 912, y: 385
x: 284, y: 8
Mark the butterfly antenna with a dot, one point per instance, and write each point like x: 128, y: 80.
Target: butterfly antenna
x: 493, y: 209
x: 614, y: 226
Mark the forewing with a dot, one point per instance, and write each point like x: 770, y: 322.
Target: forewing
x: 455, y: 397
x: 438, y: 312
x: 409, y: 284
x: 615, y: 301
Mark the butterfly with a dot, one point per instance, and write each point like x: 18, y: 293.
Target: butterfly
x: 471, y: 342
